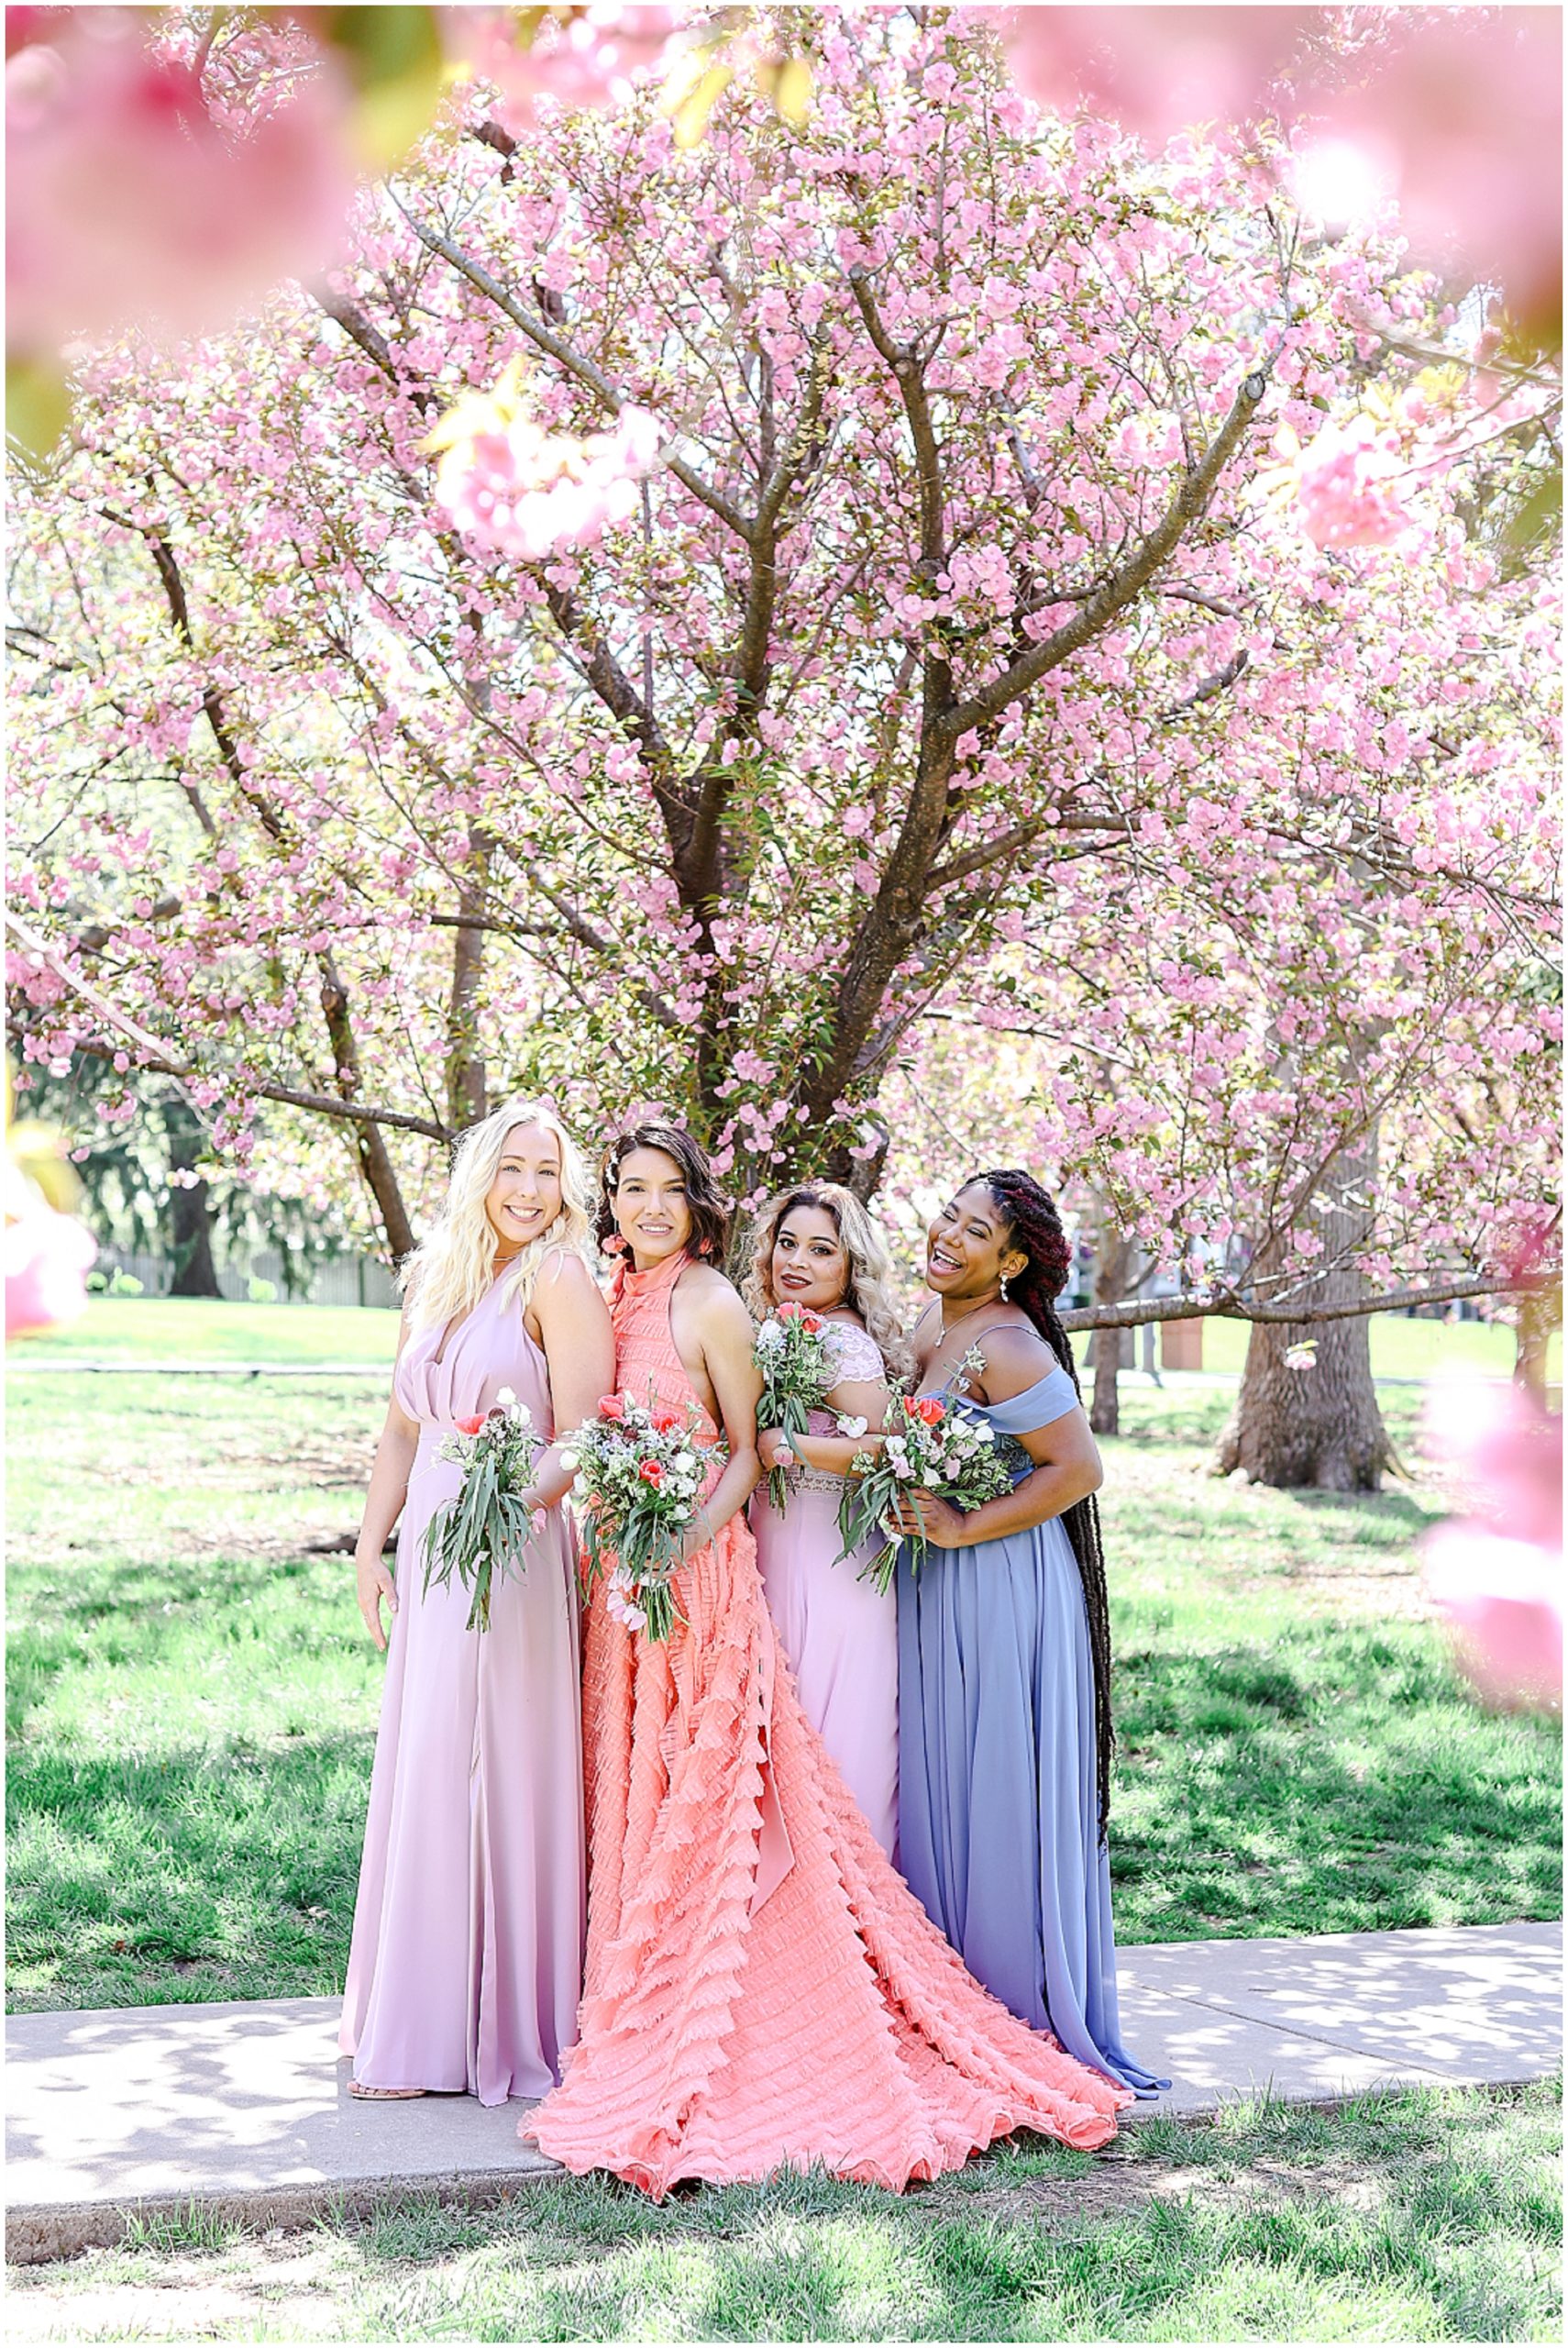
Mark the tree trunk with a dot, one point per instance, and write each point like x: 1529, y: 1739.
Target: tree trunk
x: 1111, y: 1274
x: 1540, y: 1311
x: 190, y: 1209
x: 1318, y: 1426
x: 466, y: 1088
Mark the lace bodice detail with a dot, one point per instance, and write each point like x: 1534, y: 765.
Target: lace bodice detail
x: 857, y: 1356
x: 648, y: 1366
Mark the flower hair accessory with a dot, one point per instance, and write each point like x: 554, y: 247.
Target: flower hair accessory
x: 614, y: 1245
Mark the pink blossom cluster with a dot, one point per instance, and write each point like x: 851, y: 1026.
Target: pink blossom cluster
x: 525, y: 490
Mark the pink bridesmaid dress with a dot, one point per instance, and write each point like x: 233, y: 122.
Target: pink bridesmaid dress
x: 465, y: 1962
x: 840, y: 1635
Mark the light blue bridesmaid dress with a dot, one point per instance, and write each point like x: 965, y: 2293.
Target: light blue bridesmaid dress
x: 999, y: 1808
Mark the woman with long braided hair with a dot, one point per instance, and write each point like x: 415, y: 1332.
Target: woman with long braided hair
x: 1004, y: 1641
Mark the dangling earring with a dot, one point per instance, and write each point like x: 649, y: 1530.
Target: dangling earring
x: 1004, y: 1288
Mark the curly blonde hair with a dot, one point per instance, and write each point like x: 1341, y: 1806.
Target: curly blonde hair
x: 453, y: 1265
x: 871, y: 1291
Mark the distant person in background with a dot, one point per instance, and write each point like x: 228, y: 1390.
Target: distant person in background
x: 467, y: 1956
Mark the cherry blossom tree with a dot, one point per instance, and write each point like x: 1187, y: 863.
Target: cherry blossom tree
x: 961, y: 635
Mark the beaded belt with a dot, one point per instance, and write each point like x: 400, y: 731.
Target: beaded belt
x: 799, y: 1477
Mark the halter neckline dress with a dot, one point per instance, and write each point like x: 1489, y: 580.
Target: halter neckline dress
x: 465, y: 1965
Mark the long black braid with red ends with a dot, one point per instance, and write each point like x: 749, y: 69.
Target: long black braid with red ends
x: 1033, y: 1224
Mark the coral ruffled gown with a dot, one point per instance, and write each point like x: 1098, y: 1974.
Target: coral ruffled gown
x: 763, y: 1991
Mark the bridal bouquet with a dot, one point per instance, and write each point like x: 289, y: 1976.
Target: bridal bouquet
x: 638, y: 1471
x: 929, y: 1445
x: 485, y: 1531
x: 792, y: 1352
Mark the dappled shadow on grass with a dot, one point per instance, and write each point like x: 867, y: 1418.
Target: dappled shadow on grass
x: 202, y: 1872
x: 1338, y: 1779
x: 1428, y: 2216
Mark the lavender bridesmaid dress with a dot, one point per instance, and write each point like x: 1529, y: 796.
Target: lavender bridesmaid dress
x: 840, y: 1635
x: 999, y: 1817
x: 465, y: 1962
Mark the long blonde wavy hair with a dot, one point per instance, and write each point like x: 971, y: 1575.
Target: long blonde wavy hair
x: 871, y: 1291
x: 453, y: 1266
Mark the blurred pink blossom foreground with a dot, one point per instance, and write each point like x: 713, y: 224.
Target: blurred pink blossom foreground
x: 128, y: 204
x: 1497, y: 1574
x: 48, y: 1256
x: 516, y: 487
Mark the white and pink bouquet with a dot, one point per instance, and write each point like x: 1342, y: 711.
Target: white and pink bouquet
x: 798, y: 1372
x: 485, y: 1531
x: 639, y: 1470
x: 929, y: 1445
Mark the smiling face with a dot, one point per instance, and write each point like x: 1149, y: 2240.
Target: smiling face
x: 968, y: 1250
x: 810, y: 1264
x: 526, y: 1196
x: 652, y: 1213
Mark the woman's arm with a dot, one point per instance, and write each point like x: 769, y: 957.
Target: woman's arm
x: 1067, y: 1458
x: 1069, y: 1470
x: 579, y: 1349
x: 723, y: 1331
x: 855, y: 1398
x: 384, y: 1505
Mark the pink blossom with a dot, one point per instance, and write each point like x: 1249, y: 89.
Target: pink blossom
x: 48, y: 1256
x: 524, y: 489
x: 1344, y: 487
x: 1498, y: 1572
x: 128, y: 204
x: 583, y: 56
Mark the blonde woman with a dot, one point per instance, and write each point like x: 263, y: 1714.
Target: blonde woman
x: 816, y: 1247
x: 466, y: 1957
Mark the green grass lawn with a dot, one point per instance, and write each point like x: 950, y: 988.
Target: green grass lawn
x: 190, y: 1329
x: 191, y: 1697
x: 1425, y: 2217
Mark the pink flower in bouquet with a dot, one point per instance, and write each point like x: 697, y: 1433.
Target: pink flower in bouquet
x: 128, y: 204
x: 1344, y: 487
x: 471, y: 1426
x: 930, y: 1407
x: 1497, y: 1573
x: 652, y: 1472
x: 611, y: 1407
x: 665, y: 1422
x: 48, y: 1256
x: 804, y: 1314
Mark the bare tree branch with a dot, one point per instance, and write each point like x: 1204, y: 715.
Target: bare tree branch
x: 1235, y: 1307
x: 576, y: 365
x: 153, y: 1054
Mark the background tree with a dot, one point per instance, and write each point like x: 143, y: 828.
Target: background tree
x: 968, y: 605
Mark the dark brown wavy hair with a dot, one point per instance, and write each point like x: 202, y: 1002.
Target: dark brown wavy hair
x: 710, y: 1211
x: 1033, y: 1224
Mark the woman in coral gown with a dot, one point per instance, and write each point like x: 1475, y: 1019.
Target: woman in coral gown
x: 816, y: 1247
x: 1004, y: 1641
x: 466, y: 1961
x: 762, y: 1990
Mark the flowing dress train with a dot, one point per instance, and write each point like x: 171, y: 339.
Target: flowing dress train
x: 762, y: 1990
x: 465, y: 1966
x: 998, y: 1805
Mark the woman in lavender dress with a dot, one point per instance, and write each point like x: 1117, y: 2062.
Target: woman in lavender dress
x: 816, y: 1247
x: 1004, y: 1644
x: 465, y: 1962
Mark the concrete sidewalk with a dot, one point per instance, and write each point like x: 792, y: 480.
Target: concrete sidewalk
x: 243, y: 2108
